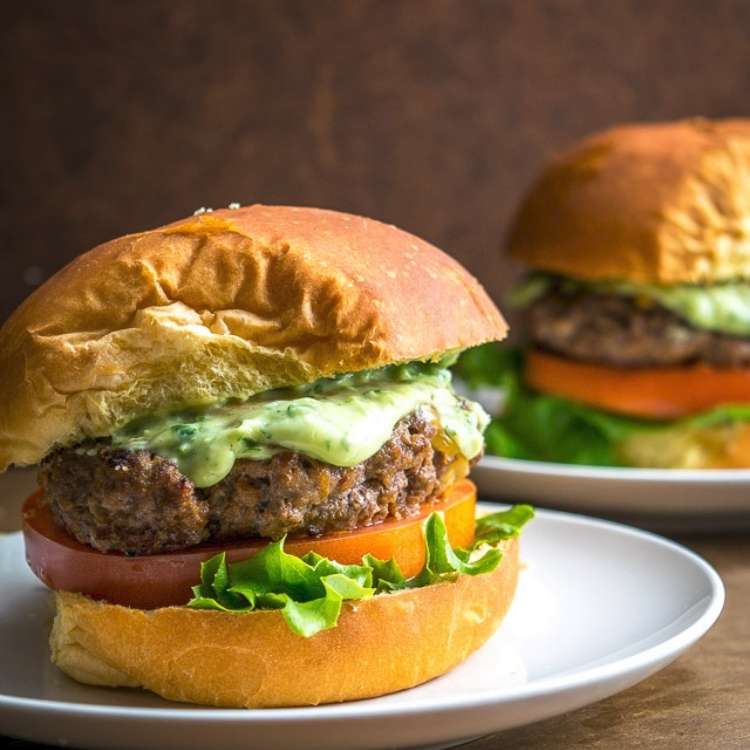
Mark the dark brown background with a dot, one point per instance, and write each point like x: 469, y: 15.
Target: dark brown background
x: 433, y: 115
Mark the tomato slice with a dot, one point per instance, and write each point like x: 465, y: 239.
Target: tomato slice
x: 656, y: 392
x: 150, y: 581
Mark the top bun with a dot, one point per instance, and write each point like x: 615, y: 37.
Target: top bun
x: 667, y: 203
x: 226, y: 304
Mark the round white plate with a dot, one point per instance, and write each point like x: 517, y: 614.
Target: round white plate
x: 599, y: 607
x: 681, y: 499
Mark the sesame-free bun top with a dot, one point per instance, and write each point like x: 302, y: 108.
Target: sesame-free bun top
x: 225, y: 304
x: 666, y: 203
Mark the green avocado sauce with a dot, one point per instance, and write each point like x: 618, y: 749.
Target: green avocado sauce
x: 341, y: 421
x: 723, y: 307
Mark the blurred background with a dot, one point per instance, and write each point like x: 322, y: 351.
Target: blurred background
x: 430, y: 114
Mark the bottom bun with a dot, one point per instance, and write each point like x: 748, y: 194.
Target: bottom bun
x: 721, y: 446
x: 387, y: 643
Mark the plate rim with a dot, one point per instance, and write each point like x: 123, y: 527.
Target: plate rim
x: 609, y: 473
x: 569, y: 681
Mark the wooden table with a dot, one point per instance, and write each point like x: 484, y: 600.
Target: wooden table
x: 702, y: 701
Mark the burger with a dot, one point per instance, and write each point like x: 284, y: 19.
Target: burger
x: 252, y: 480
x: 637, y: 304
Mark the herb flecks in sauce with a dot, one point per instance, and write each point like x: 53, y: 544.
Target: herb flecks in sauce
x: 341, y: 421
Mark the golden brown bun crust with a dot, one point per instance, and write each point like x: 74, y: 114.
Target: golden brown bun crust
x: 226, y: 304
x: 721, y: 446
x: 381, y: 645
x: 666, y: 203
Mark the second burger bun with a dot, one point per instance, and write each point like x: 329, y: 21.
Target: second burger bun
x: 720, y: 446
x: 380, y: 645
x: 665, y: 203
x: 225, y: 305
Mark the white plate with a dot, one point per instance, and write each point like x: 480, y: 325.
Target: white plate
x: 682, y: 499
x: 600, y: 606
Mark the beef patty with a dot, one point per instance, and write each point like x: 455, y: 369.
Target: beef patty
x: 617, y: 330
x: 140, y: 503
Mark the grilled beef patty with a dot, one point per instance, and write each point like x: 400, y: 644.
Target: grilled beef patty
x: 617, y: 330
x: 140, y: 503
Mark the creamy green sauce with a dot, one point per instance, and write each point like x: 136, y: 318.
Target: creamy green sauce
x: 342, y: 421
x: 720, y: 307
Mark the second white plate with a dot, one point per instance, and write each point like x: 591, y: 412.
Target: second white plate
x: 599, y: 607
x: 678, y: 499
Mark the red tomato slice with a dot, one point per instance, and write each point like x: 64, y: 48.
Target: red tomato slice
x: 150, y: 581
x: 652, y: 392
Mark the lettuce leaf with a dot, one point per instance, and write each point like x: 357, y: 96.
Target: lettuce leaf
x: 541, y: 427
x: 496, y: 527
x: 309, y: 591
x: 443, y: 563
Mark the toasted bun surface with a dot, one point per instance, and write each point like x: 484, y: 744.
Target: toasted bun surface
x: 722, y: 446
x: 665, y: 203
x: 222, y: 305
x: 381, y: 645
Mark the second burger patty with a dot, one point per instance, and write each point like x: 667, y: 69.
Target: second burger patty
x: 612, y: 329
x: 140, y: 503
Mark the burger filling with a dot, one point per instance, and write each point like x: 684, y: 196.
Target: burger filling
x: 335, y: 455
x: 621, y: 373
x: 640, y: 325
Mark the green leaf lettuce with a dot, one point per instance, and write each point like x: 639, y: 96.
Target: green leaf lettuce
x: 309, y: 591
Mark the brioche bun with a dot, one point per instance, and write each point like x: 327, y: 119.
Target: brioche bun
x: 226, y: 304
x: 666, y: 203
x: 380, y: 645
x: 721, y: 446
